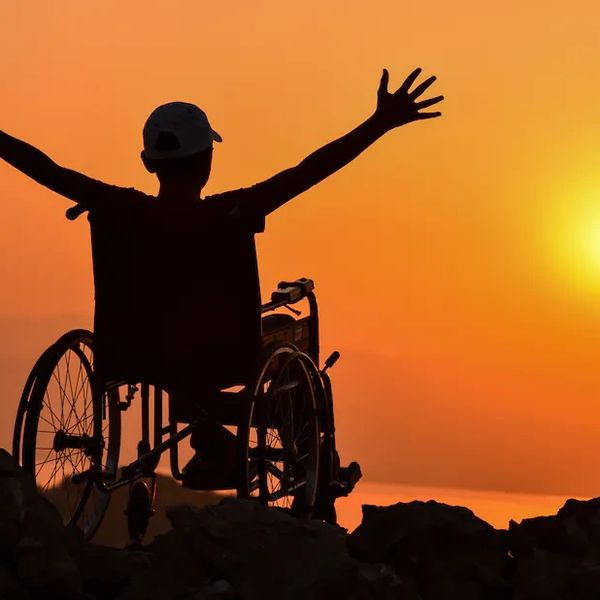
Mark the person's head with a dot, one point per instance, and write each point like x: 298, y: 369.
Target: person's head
x: 178, y: 143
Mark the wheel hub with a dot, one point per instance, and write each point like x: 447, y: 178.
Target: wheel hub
x: 64, y: 441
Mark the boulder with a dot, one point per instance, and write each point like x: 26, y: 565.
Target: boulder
x: 446, y: 551
x: 36, y: 546
x: 240, y: 550
x: 264, y: 553
x: 558, y: 556
x: 11, y: 588
x: 12, y: 506
x: 106, y: 571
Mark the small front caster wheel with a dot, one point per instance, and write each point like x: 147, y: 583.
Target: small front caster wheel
x: 139, y: 510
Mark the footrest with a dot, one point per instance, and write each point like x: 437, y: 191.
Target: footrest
x: 348, y: 477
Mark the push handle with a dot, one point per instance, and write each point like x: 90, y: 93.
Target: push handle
x: 75, y: 211
x: 333, y: 358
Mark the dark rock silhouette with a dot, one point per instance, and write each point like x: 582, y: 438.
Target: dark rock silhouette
x: 240, y: 550
x: 265, y: 553
x: 446, y: 551
x: 559, y: 556
x: 35, y: 547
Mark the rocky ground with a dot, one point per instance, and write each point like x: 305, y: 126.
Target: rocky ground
x: 240, y: 550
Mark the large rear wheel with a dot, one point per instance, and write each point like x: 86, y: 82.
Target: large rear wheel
x: 278, y: 437
x: 71, y: 433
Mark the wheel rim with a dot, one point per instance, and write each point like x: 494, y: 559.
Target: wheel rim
x: 70, y: 429
x: 283, y: 438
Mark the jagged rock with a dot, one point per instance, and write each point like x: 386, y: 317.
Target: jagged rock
x: 156, y: 587
x: 381, y: 582
x: 529, y: 534
x: 11, y: 588
x: 550, y: 576
x: 36, y: 544
x: 558, y: 556
x: 11, y: 508
x: 240, y: 550
x: 580, y: 521
x: 446, y: 551
x: 265, y: 552
x: 170, y: 575
x: 219, y: 590
x: 574, y: 530
x: 107, y: 571
x: 259, y: 550
x: 48, y: 569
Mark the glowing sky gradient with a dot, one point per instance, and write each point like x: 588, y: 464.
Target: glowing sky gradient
x: 457, y: 262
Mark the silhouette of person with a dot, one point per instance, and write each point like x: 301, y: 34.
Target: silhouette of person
x: 177, y: 271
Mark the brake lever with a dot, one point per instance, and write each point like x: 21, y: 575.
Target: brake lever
x: 293, y: 310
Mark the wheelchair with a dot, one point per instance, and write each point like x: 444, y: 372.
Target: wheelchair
x: 68, y: 425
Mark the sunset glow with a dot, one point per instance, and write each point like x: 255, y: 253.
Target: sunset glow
x: 576, y: 241
x: 457, y: 262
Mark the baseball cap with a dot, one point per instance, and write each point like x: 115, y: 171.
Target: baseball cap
x: 177, y: 130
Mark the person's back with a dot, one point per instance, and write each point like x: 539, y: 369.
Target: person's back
x: 177, y: 296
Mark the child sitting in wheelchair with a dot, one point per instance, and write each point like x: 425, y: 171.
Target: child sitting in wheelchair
x: 176, y: 279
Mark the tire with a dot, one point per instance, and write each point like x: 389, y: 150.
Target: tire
x: 279, y: 439
x: 139, y: 510
x: 72, y: 427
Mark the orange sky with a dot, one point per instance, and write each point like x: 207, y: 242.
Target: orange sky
x: 457, y: 262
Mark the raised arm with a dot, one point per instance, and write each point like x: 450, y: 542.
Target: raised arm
x: 44, y: 170
x: 393, y: 110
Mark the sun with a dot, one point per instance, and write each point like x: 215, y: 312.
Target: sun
x: 587, y: 240
x: 577, y: 243
x: 593, y: 242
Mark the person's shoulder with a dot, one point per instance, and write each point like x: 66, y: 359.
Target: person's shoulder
x: 128, y: 194
x: 235, y: 208
x: 116, y: 198
x: 224, y: 199
x: 119, y: 202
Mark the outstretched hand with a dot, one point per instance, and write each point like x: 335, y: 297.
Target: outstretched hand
x: 401, y: 107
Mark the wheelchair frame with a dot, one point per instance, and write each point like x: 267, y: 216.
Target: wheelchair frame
x: 243, y: 408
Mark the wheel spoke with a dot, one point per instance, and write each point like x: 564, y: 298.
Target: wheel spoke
x: 48, y: 422
x: 78, y: 382
x: 68, y: 456
x: 66, y: 484
x: 81, y: 372
x: 62, y: 400
x: 276, y: 471
x: 52, y: 415
x: 87, y: 403
x: 45, y: 461
x: 277, y: 495
x: 71, y: 402
x: 69, y: 377
x: 285, y: 448
x: 53, y: 474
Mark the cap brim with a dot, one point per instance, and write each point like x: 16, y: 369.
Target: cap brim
x: 216, y: 137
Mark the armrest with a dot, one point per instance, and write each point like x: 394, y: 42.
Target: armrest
x: 290, y: 292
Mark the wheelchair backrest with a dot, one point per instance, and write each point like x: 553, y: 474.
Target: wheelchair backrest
x: 175, y: 306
